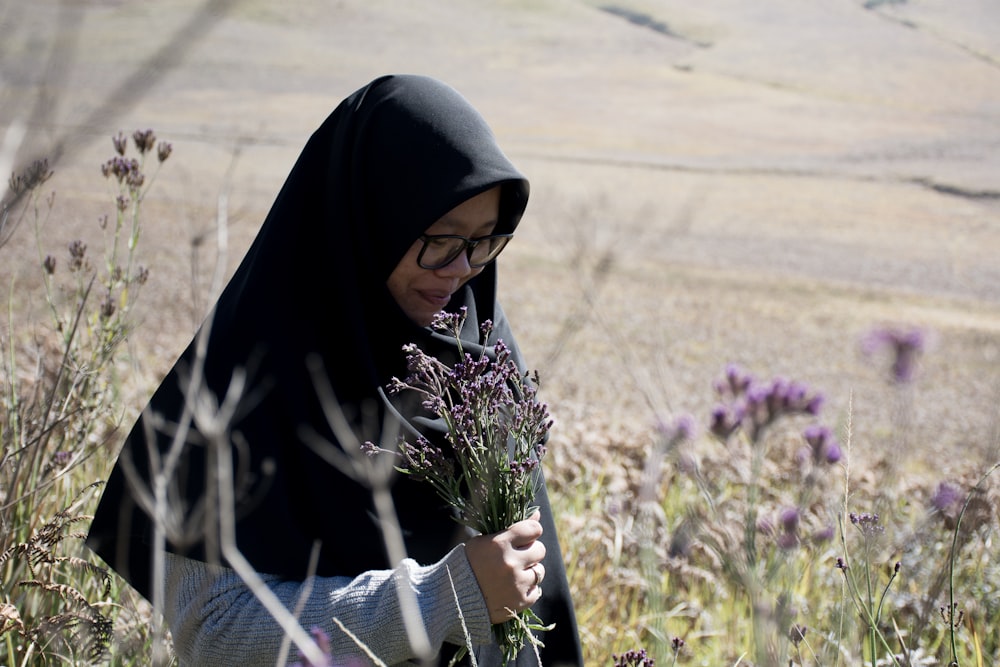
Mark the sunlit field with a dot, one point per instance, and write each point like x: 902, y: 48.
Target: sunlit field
x: 760, y: 292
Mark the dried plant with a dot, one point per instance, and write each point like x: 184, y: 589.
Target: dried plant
x: 60, y: 410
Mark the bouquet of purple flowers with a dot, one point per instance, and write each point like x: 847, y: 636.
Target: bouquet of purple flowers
x: 494, y: 435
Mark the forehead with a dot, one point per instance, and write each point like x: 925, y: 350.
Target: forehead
x: 474, y: 217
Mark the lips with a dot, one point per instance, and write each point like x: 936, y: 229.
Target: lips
x: 436, y: 298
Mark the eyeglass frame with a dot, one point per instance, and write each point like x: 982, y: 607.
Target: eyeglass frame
x: 468, y: 247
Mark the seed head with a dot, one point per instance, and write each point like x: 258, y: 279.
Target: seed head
x: 120, y: 143
x: 164, y: 150
x: 796, y: 634
x: 31, y: 177
x: 145, y: 140
x: 77, y: 252
x: 107, y: 308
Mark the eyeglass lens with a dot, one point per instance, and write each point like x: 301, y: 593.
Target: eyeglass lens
x: 441, y: 250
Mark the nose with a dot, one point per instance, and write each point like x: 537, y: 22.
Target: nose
x: 458, y: 267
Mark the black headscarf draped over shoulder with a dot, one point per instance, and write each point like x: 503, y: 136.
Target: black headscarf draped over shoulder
x: 393, y: 158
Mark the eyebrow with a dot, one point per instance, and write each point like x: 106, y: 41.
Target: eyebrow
x: 446, y: 226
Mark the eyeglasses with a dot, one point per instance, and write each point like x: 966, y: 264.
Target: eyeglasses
x: 440, y: 250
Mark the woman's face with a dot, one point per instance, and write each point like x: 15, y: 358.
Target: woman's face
x: 422, y: 293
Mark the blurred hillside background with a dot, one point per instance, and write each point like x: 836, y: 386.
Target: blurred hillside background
x: 758, y: 183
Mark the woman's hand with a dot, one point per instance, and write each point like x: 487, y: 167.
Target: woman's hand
x: 508, y: 567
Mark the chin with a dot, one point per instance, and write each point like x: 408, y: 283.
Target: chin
x: 423, y: 319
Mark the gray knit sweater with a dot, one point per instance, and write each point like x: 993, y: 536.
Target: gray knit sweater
x: 216, y: 620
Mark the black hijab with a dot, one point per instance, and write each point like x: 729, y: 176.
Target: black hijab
x: 388, y: 162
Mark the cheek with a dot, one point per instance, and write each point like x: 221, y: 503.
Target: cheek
x: 404, y: 274
x: 472, y: 274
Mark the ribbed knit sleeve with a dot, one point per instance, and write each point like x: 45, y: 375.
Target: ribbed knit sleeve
x: 216, y: 620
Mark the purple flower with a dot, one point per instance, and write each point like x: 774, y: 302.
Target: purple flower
x: 120, y: 142
x: 757, y: 405
x: 947, y: 501
x: 735, y: 382
x: 145, y: 140
x: 164, y: 150
x: 724, y: 422
x: 788, y: 541
x: 796, y: 634
x: 823, y: 535
x: 867, y: 523
x: 636, y: 658
x: 905, y: 346
x: 789, y: 519
x: 765, y: 526
x: 682, y: 428
x: 947, y: 497
x: 77, y: 254
x: 822, y: 444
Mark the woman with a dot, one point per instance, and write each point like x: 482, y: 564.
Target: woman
x: 348, y: 267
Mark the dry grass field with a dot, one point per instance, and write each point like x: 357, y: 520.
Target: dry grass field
x: 759, y: 183
x: 767, y: 183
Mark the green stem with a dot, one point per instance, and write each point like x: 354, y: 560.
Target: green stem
x: 951, y: 561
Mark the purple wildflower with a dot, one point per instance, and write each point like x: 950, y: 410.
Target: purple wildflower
x: 724, y: 422
x: 634, y: 658
x: 164, y: 150
x: 107, y: 307
x: 77, y: 252
x: 756, y: 405
x: 790, y: 519
x: 120, y: 143
x: 494, y: 436
x: 905, y: 346
x: 822, y: 444
x: 787, y: 541
x: 948, y: 501
x: 947, y: 498
x: 796, y: 634
x: 735, y: 382
x: 867, y: 523
x: 145, y: 140
x: 682, y: 428
x: 823, y: 535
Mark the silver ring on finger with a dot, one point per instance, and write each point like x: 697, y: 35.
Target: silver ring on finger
x: 538, y: 577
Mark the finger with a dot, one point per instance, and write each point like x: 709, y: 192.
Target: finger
x: 537, y: 572
x: 523, y: 533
